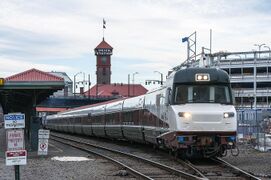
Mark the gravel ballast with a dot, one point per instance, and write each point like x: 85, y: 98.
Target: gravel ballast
x: 251, y: 160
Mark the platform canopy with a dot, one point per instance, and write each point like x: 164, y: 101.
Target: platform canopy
x: 26, y: 89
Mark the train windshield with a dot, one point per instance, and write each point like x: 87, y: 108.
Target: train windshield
x: 202, y: 94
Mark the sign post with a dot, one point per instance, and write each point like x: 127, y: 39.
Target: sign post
x: 16, y: 154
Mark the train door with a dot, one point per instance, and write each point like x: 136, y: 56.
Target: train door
x: 158, y: 109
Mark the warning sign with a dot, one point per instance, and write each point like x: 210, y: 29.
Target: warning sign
x: 43, y: 147
x: 44, y: 134
x: 15, y: 139
x: 16, y: 157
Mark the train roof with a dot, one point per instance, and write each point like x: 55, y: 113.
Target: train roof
x: 90, y: 106
x: 188, y: 75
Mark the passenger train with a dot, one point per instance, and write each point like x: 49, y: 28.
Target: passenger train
x: 192, y: 114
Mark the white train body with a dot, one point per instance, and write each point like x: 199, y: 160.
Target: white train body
x: 192, y: 113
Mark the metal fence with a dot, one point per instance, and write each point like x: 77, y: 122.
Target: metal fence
x: 254, y: 127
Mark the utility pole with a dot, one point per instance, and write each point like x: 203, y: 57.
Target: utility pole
x: 128, y: 85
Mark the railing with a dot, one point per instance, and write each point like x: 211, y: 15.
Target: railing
x: 250, y: 77
x: 250, y: 92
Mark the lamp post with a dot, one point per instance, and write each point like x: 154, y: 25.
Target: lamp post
x: 128, y: 85
x: 161, y: 76
x: 74, y: 82
x: 268, y: 72
x: 259, y: 46
x: 269, y: 51
x: 134, y: 82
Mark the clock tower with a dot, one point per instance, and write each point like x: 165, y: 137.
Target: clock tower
x: 103, y: 54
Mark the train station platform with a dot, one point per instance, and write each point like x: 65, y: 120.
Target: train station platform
x: 22, y: 92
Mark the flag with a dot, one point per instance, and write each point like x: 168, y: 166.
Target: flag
x: 184, y: 39
x: 104, y: 24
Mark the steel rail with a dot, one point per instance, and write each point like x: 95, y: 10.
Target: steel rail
x: 134, y: 172
x: 235, y: 168
x: 190, y: 165
x: 159, y: 165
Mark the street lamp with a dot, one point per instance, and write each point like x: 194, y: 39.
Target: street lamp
x: 161, y: 76
x: 74, y: 82
x: 259, y: 45
x: 134, y: 82
x: 268, y: 49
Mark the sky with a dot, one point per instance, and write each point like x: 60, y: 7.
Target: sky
x: 60, y: 35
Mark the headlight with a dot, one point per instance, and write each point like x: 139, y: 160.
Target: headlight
x: 184, y: 114
x: 202, y: 77
x: 228, y: 114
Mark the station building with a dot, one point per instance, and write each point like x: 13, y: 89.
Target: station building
x: 104, y: 86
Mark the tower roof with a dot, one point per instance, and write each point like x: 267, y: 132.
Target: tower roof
x: 103, y: 45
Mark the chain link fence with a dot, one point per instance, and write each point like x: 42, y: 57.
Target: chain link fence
x: 254, y: 127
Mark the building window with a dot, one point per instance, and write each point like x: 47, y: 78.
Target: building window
x: 248, y: 71
x: 104, y: 59
x: 104, y: 71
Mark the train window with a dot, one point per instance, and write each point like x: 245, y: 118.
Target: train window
x: 202, y: 94
x: 127, y: 118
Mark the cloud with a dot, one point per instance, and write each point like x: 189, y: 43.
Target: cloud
x: 11, y: 66
x: 63, y: 33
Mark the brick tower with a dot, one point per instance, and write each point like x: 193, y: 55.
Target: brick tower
x: 103, y: 62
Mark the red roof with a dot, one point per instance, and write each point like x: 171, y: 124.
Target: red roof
x: 103, y: 45
x: 33, y: 75
x: 116, y: 89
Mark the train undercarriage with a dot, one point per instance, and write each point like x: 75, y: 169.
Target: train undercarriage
x: 199, y: 145
x: 187, y: 145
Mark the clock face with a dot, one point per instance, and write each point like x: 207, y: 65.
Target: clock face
x: 104, y: 59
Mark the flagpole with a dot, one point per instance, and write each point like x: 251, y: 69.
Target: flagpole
x: 104, y: 23
x: 103, y: 33
x: 103, y: 27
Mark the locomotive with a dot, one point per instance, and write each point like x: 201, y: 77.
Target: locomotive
x: 192, y: 114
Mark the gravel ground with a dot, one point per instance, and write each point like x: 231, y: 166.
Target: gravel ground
x: 44, y: 168
x: 251, y: 160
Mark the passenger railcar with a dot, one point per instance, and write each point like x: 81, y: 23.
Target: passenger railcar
x: 192, y: 114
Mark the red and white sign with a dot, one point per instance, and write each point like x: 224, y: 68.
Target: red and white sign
x: 43, y: 147
x: 16, y: 157
x: 15, y: 140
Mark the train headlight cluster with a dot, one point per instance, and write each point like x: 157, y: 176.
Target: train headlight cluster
x: 202, y: 77
x: 228, y: 114
x: 184, y: 114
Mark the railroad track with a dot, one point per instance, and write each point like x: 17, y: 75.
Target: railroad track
x: 217, y: 168
x: 139, y: 167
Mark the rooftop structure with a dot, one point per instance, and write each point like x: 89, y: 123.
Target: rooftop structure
x: 67, y: 91
x: 121, y: 90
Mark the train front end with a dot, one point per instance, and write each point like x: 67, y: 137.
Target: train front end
x: 203, y: 118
